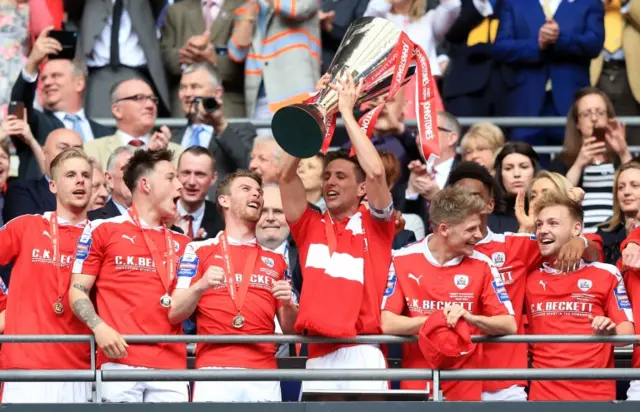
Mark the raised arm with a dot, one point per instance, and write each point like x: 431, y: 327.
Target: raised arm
x: 294, y: 197
x: 110, y: 341
x: 243, y: 27
x: 378, y: 193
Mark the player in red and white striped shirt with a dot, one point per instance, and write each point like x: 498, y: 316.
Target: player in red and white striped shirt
x: 42, y: 247
x: 591, y: 300
x: 132, y: 260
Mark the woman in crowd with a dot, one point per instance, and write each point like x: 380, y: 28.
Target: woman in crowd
x: 594, y: 146
x: 481, y: 144
x: 626, y: 195
x: 310, y: 171
x: 515, y: 167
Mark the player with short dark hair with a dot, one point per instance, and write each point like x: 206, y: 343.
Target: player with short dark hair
x: 132, y: 261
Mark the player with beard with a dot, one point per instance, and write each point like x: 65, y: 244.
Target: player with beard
x: 132, y: 261
x: 42, y: 247
x: 514, y: 255
x: 590, y: 300
x: 444, y: 273
x: 235, y: 287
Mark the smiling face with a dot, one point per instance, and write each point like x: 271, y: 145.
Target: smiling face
x: 244, y: 200
x: 272, y: 228
x: 462, y: 237
x: 341, y: 187
x: 628, y: 191
x: 555, y: 227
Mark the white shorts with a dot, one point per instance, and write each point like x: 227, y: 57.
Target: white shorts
x: 139, y: 392
x: 46, y: 392
x: 351, y: 357
x: 512, y: 393
x: 236, y: 391
x: 633, y: 394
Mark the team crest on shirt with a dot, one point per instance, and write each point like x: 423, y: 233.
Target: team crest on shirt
x: 584, y: 284
x: 461, y: 281
x: 176, y: 245
x: 268, y: 261
x: 84, y: 244
x: 498, y: 259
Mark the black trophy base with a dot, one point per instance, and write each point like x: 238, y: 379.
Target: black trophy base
x: 299, y: 129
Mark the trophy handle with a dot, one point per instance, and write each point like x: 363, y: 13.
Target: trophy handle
x: 299, y: 129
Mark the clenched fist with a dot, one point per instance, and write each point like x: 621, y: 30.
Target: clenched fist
x: 214, y: 276
x: 282, y: 291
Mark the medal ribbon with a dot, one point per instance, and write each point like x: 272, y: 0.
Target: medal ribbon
x: 167, y: 271
x: 331, y: 234
x: 249, y: 265
x: 53, y: 224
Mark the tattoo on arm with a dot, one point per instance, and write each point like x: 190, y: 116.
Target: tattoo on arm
x: 84, y: 310
x: 81, y: 288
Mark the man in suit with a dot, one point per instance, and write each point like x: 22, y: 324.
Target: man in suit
x: 118, y: 40
x: 134, y: 106
x: 33, y: 197
x: 120, y: 194
x: 197, y: 31
x: 199, y: 218
x: 423, y: 184
x: 63, y: 89
x: 470, y: 42
x: 229, y: 144
x: 617, y: 70
x: 549, y: 45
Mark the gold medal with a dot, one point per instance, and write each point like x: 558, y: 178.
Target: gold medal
x: 166, y: 301
x: 238, y: 321
x: 58, y: 308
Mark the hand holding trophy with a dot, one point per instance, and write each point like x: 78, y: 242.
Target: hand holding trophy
x: 377, y: 58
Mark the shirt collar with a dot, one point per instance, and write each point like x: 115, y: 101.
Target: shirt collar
x: 80, y: 114
x: 143, y: 224
x: 197, y: 215
x: 547, y: 268
x: 235, y: 242
x: 282, y: 249
x: 488, y: 238
x: 429, y: 256
x: 206, y: 127
x: 126, y: 138
x: 444, y: 166
x: 63, y: 222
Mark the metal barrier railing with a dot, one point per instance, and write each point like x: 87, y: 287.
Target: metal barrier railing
x: 100, y: 376
x: 464, y: 121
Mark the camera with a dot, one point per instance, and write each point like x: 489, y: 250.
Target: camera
x: 210, y: 104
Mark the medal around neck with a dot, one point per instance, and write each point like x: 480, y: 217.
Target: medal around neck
x: 166, y: 301
x: 58, y: 308
x: 238, y: 321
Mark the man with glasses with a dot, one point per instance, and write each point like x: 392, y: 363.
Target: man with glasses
x: 424, y: 184
x: 135, y: 108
